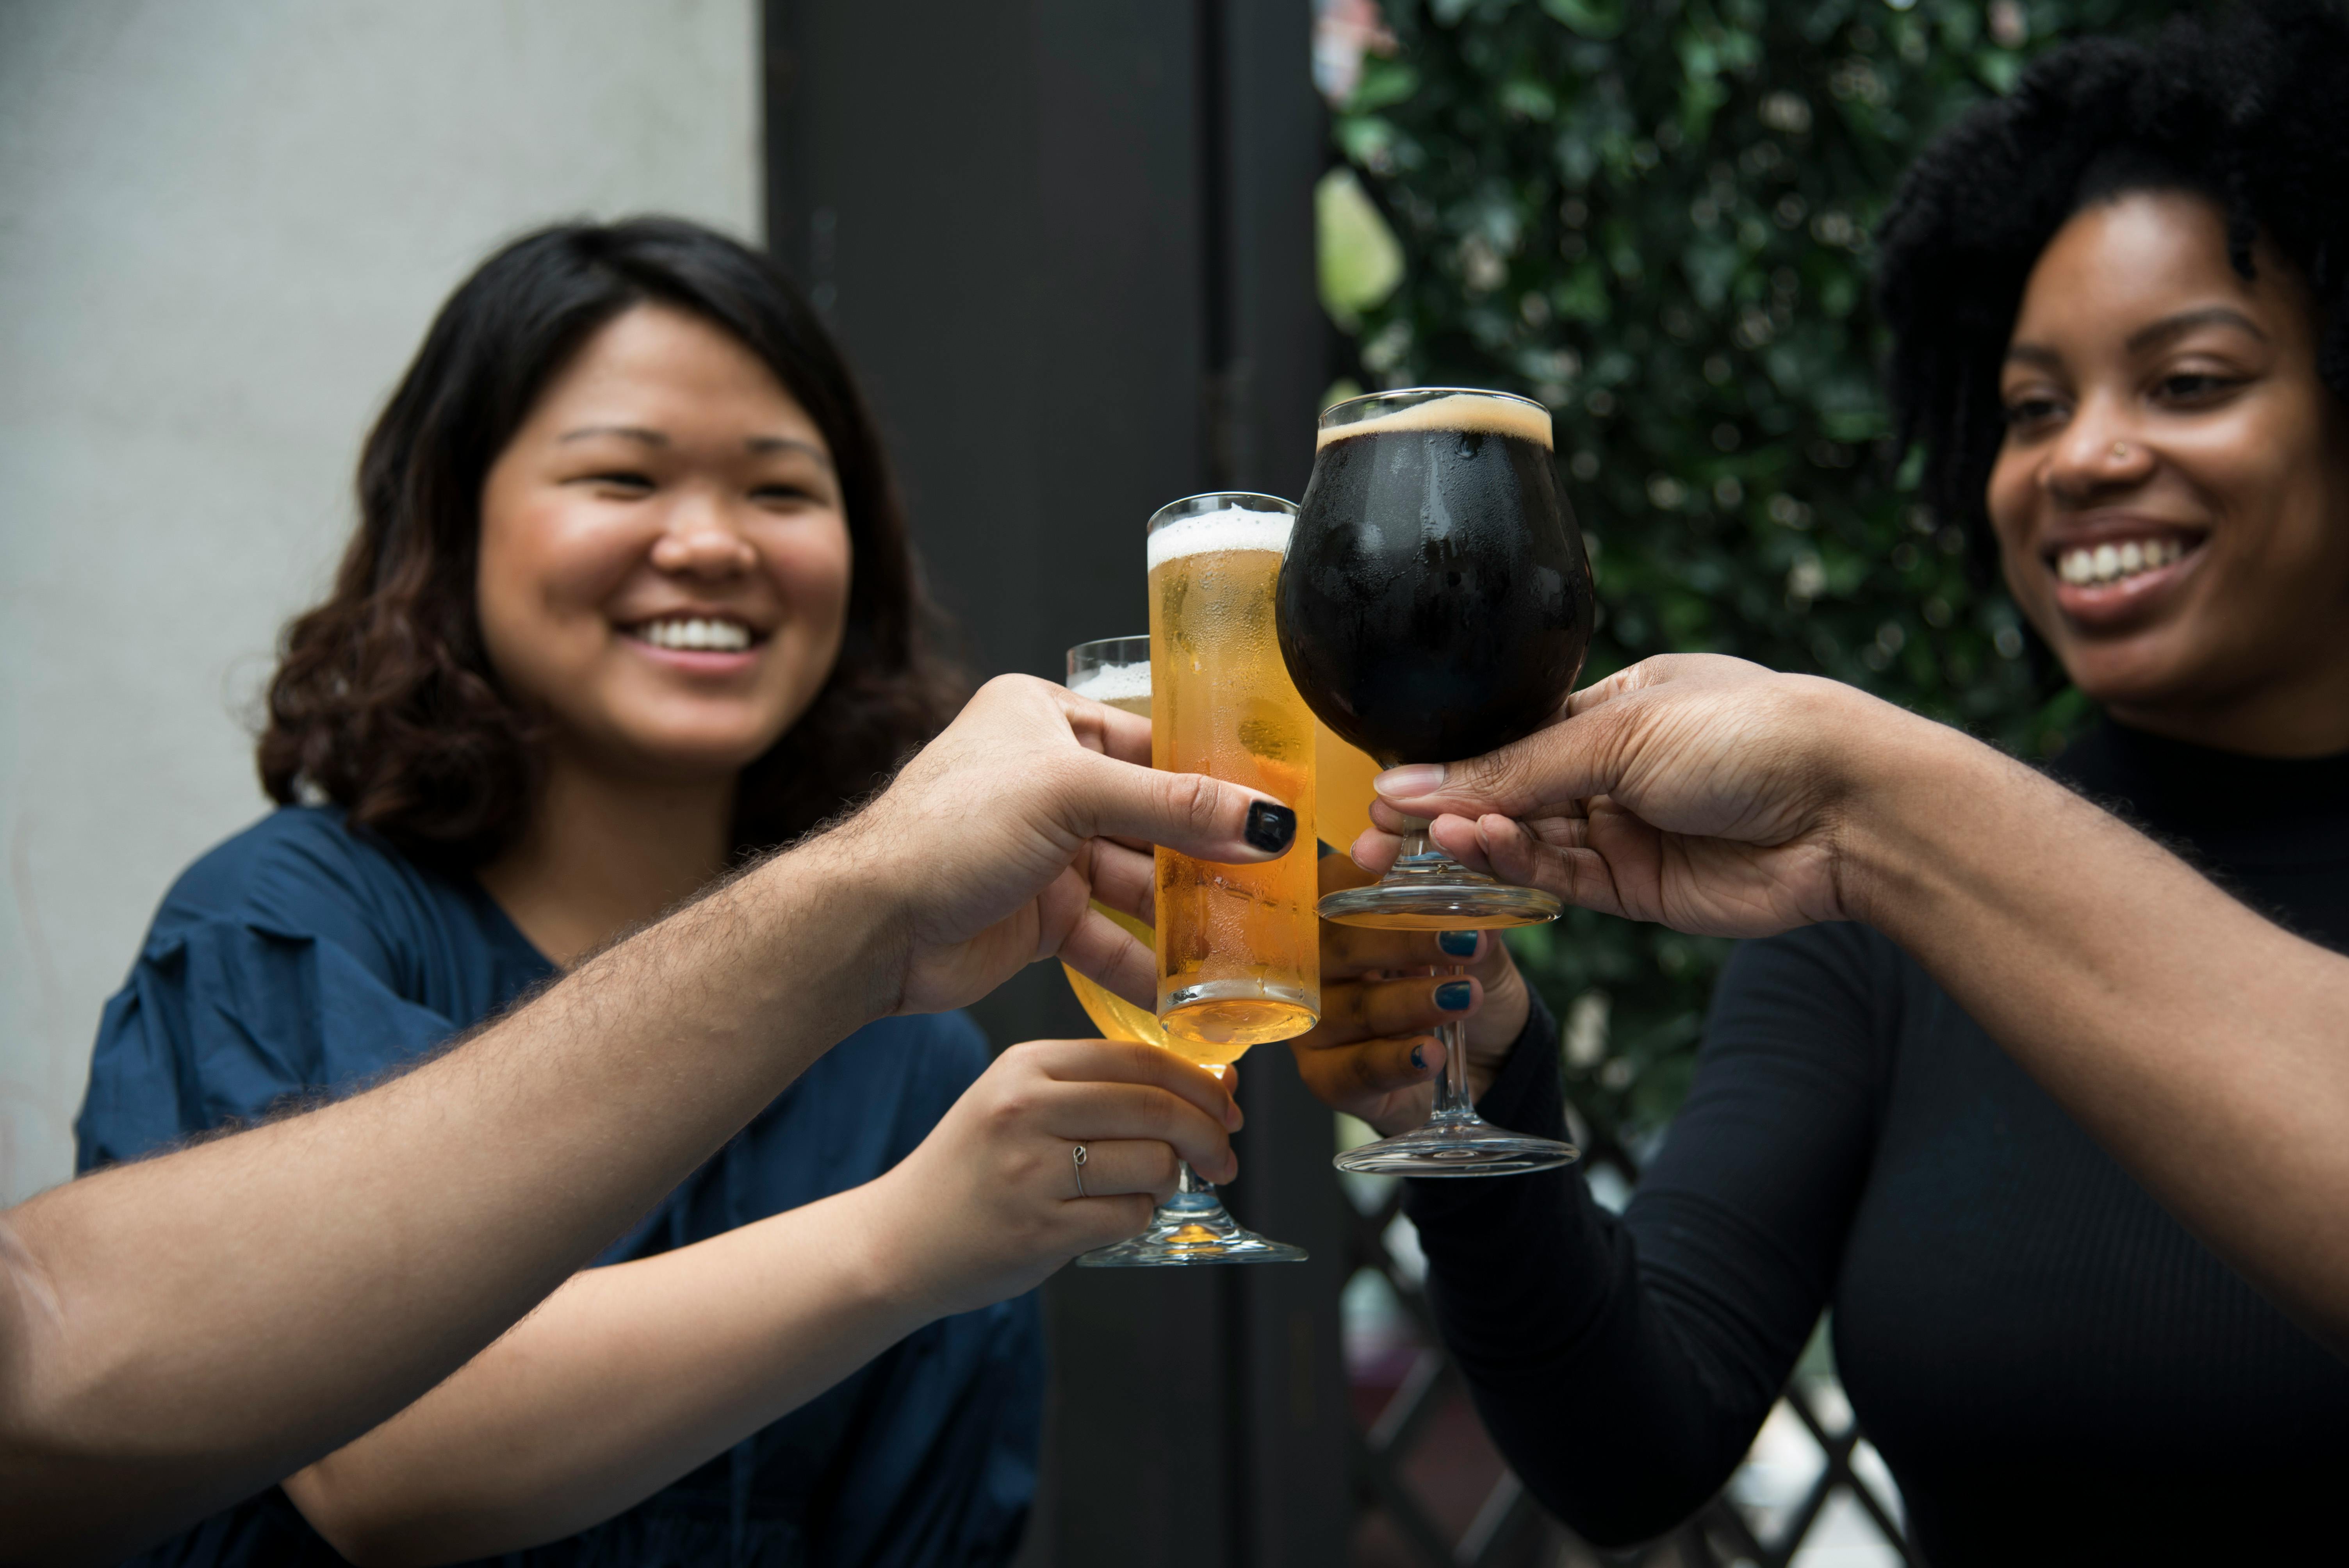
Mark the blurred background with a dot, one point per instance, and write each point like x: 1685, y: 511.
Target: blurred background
x: 1087, y: 258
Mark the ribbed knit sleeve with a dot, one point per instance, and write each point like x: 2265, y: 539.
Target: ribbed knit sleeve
x: 1623, y: 1365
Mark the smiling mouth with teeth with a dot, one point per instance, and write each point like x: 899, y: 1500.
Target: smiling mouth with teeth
x: 695, y: 635
x: 2095, y: 566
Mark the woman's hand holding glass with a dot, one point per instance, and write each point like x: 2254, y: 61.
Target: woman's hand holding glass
x: 1376, y: 1055
x: 988, y: 1205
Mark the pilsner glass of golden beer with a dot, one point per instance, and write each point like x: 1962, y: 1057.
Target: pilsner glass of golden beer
x: 1239, y: 947
x: 1193, y: 1226
x: 1115, y: 671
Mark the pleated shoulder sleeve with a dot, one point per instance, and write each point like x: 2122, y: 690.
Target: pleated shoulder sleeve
x: 295, y: 963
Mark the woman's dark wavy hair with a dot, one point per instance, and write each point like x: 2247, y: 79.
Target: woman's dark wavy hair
x: 384, y: 701
x: 2247, y: 107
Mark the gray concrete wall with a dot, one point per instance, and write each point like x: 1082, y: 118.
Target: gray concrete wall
x: 224, y: 227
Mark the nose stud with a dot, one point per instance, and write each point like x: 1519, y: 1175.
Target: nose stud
x: 2120, y: 449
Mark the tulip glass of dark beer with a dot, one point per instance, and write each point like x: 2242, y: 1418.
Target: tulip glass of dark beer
x: 1435, y: 604
x: 1193, y: 1226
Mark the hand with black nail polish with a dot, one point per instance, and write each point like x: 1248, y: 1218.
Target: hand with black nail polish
x: 1374, y: 1054
x: 988, y: 851
x: 1270, y: 827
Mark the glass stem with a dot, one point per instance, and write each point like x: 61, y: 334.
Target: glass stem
x: 1422, y: 856
x: 1417, y: 847
x: 1452, y: 1101
x: 1186, y: 1180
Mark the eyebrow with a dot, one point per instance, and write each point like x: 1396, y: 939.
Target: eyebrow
x: 762, y: 444
x: 633, y: 432
x: 2187, y: 321
x: 2146, y: 338
x: 759, y: 445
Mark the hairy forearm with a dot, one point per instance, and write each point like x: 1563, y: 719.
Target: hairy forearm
x: 625, y: 1379
x: 162, y: 1361
x: 2205, y: 1046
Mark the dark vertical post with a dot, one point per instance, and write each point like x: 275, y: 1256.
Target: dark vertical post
x: 1068, y: 247
x: 1266, y: 351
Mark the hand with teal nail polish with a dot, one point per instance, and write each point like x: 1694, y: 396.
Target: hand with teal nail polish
x: 1374, y: 1054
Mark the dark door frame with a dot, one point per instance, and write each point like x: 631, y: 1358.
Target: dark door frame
x: 1069, y: 247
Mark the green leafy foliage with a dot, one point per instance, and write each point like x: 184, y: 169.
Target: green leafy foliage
x: 1656, y: 218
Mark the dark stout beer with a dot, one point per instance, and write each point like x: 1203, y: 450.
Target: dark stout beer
x: 1435, y: 599
x: 1435, y: 602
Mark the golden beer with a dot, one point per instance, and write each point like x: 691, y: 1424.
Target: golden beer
x: 1193, y: 1226
x: 1112, y: 1014
x: 1239, y: 958
x: 1341, y: 789
x: 1127, y: 688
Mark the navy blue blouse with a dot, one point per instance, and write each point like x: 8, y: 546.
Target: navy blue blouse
x: 302, y: 958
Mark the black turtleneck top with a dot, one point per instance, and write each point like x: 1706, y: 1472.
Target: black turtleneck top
x: 2054, y: 1369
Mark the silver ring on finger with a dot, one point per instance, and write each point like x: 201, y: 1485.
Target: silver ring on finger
x: 1077, y: 1157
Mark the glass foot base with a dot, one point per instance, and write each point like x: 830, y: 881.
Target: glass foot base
x: 1470, y: 1147
x: 1191, y: 1228
x: 1463, y: 903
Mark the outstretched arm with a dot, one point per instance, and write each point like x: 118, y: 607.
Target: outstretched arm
x: 631, y: 1375
x: 1717, y: 797
x: 179, y: 1331
x: 1683, y: 1317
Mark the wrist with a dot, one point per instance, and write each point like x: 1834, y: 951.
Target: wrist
x: 1533, y: 1052
x: 894, y: 1269
x: 1496, y: 1029
x: 861, y: 921
x: 1904, y: 803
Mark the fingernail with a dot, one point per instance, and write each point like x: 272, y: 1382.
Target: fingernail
x: 1419, y: 1058
x: 1270, y: 827
x: 1459, y: 943
x: 1453, y: 995
x: 1404, y: 782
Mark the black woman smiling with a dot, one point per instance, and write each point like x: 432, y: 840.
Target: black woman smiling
x: 2118, y: 301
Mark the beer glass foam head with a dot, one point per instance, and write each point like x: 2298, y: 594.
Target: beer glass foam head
x: 1114, y: 671
x: 1115, y: 685
x: 1230, y: 529
x: 1481, y: 413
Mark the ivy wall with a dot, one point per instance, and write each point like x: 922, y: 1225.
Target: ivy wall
x: 1656, y: 218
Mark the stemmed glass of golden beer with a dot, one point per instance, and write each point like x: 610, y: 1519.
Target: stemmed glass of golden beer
x: 1193, y: 1226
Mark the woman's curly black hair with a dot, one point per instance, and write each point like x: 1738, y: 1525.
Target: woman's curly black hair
x: 2247, y: 106
x: 384, y: 701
